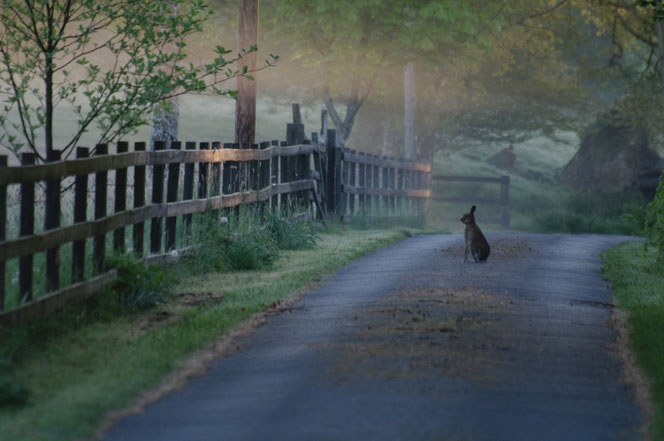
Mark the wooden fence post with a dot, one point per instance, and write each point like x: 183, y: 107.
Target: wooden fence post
x: 51, y: 221
x: 330, y: 147
x: 27, y: 229
x: 407, y: 186
x: 419, y: 181
x: 80, y: 215
x: 284, y: 174
x: 392, y: 185
x: 236, y: 176
x: 3, y: 232
x: 172, y: 196
x: 157, y: 198
x: 274, y: 176
x: 138, y: 230
x: 264, y: 176
x: 400, y: 173
x: 188, y: 190
x: 362, y: 183
x: 101, y: 194
x: 244, y: 171
x: 253, y: 171
x: 338, y: 181
x: 344, y: 182
x: 203, y: 173
x: 505, y: 200
x: 368, y: 183
x: 120, y: 203
x: 226, y: 172
x: 351, y: 182
x: 386, y: 185
x: 320, y: 185
x: 215, y: 179
x: 376, y: 184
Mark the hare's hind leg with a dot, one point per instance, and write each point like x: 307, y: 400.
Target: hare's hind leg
x: 475, y: 254
x: 465, y: 253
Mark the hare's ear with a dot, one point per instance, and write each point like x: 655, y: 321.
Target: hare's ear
x: 472, y: 209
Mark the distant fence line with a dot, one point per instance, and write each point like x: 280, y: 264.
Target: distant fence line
x: 298, y: 174
x: 503, y: 200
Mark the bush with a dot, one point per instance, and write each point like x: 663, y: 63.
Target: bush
x: 137, y: 286
x: 654, y: 224
x: 221, y: 246
x: 288, y: 234
x: 11, y: 393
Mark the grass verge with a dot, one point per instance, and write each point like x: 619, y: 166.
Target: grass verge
x: 77, y: 371
x: 637, y: 283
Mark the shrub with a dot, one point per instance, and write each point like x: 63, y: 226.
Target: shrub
x: 288, y: 234
x: 220, y: 245
x: 654, y: 224
x: 138, y: 286
x: 11, y: 393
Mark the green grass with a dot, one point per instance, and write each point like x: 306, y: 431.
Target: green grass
x: 637, y: 283
x: 90, y: 359
x: 538, y: 202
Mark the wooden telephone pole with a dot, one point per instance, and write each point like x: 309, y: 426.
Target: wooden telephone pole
x: 245, y: 105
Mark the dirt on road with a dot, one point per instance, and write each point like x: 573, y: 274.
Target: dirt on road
x: 410, y: 343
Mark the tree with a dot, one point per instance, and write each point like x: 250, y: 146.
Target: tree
x: 350, y: 43
x: 108, y: 59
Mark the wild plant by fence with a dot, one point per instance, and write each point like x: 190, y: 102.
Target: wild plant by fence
x: 295, y: 175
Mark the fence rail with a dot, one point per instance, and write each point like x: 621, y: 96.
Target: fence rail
x: 225, y: 175
x: 503, y: 200
x: 294, y: 175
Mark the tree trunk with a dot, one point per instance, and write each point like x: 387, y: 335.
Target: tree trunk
x: 345, y: 126
x: 165, y: 123
x: 410, y: 102
x: 660, y: 44
x: 245, y: 105
x: 386, y: 145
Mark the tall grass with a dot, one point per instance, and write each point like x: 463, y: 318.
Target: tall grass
x: 637, y: 282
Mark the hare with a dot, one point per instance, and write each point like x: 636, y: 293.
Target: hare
x: 476, y: 243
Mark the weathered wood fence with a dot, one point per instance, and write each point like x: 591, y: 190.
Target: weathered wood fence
x: 224, y: 175
x: 298, y: 174
x: 503, y: 200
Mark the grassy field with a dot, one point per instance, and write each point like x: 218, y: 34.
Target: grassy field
x: 94, y: 358
x: 637, y: 285
x: 538, y: 202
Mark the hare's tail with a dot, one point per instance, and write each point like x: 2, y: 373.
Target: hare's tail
x: 478, y: 257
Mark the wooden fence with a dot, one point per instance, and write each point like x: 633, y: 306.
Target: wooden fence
x: 373, y: 184
x: 503, y: 200
x: 225, y: 176
x: 298, y: 174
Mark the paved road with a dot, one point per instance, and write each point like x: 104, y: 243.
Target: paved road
x: 410, y: 343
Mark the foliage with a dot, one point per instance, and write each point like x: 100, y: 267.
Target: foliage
x: 288, y: 234
x: 636, y: 283
x: 109, y: 60
x: 657, y: 9
x: 138, y: 286
x: 353, y: 43
x: 11, y: 393
x: 654, y: 223
x: 221, y: 244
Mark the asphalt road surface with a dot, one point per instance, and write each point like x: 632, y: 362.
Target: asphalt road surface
x: 410, y: 343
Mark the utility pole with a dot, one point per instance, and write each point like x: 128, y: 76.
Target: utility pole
x: 245, y: 105
x: 410, y: 103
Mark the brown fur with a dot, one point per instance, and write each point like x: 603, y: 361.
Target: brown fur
x: 476, y: 243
